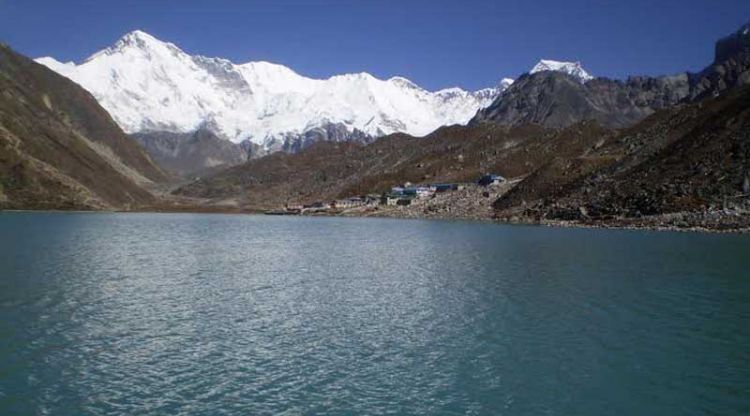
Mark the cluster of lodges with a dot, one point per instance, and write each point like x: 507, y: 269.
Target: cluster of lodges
x: 338, y: 204
x: 401, y: 195
x: 404, y: 195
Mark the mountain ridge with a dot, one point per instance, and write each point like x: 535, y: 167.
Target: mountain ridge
x: 669, y: 151
x: 566, y: 96
x: 150, y: 85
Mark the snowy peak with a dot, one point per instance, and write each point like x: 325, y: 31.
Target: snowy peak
x: 138, y: 38
x: 150, y: 85
x: 140, y: 42
x: 403, y: 82
x: 505, y: 83
x: 571, y: 68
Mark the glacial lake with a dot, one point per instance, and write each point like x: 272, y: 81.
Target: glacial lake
x: 183, y: 314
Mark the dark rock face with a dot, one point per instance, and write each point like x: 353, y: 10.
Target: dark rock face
x: 558, y: 100
x: 190, y: 154
x: 330, y: 132
x: 555, y: 99
x: 734, y: 44
x: 731, y: 66
x: 59, y: 149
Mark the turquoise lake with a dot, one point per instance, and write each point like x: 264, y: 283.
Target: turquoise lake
x: 183, y: 314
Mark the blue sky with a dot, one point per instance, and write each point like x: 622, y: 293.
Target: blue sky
x: 471, y: 44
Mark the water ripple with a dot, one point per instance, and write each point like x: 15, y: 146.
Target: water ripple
x: 209, y: 315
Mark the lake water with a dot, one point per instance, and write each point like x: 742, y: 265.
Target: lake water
x: 181, y: 314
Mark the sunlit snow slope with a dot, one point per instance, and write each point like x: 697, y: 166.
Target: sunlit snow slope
x: 150, y: 85
x: 572, y: 68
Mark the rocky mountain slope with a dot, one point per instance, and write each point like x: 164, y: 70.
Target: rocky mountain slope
x: 59, y: 149
x: 557, y: 99
x: 684, y: 160
x: 564, y: 97
x: 329, y: 170
x: 683, y: 166
x: 149, y: 85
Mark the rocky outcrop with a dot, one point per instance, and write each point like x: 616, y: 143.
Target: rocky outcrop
x: 730, y: 69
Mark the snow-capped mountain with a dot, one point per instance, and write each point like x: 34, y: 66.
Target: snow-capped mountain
x: 505, y: 83
x: 150, y: 85
x: 572, y: 68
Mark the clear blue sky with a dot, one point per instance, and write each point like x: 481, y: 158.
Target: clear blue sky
x: 471, y: 44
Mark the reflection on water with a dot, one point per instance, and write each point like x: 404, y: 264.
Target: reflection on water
x: 230, y: 314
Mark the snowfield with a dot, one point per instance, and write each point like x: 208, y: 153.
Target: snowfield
x: 571, y: 68
x: 148, y: 85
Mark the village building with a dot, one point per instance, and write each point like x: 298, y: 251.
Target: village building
x: 424, y: 191
x: 490, y: 179
x: 421, y: 191
x: 441, y: 187
x: 410, y: 192
x: 445, y: 187
x: 372, y: 199
x: 404, y: 201
x: 403, y: 195
x: 390, y: 199
x: 352, y: 202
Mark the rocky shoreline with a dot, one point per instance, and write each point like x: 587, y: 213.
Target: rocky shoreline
x: 656, y: 223
x: 729, y: 224
x: 475, y: 204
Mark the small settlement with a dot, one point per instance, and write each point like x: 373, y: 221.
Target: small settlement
x: 400, y: 195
